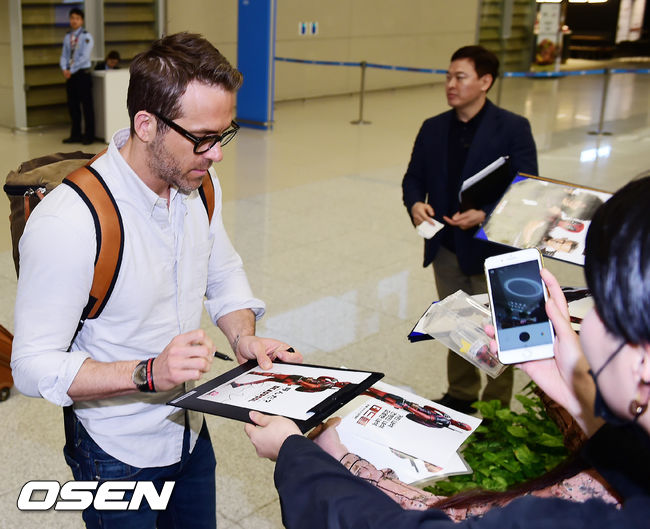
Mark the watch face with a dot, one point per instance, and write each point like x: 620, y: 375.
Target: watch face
x: 140, y: 374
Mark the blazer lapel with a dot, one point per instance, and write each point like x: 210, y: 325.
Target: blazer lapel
x: 441, y: 147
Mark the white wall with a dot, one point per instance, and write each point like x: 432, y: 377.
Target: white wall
x: 216, y: 20
x: 417, y: 33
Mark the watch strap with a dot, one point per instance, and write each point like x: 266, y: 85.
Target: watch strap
x: 148, y: 385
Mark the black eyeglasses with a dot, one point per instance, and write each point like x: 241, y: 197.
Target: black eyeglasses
x: 205, y: 143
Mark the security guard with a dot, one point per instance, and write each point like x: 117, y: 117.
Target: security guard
x: 75, y: 63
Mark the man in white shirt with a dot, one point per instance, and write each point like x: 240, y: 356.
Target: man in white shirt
x: 180, y: 101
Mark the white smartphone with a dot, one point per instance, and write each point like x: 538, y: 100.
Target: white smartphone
x: 517, y: 301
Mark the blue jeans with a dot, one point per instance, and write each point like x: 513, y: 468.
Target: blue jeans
x: 193, y: 500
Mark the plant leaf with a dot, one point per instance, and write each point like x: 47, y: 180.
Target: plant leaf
x: 508, y: 447
x: 525, y: 456
x: 518, y: 431
x: 547, y: 439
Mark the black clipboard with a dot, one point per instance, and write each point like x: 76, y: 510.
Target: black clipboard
x: 191, y: 400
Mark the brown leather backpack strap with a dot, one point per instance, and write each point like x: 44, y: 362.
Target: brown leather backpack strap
x: 100, y: 153
x: 109, y: 230
x: 26, y: 206
x: 206, y: 192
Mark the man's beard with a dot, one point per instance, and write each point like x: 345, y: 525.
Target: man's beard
x: 163, y: 165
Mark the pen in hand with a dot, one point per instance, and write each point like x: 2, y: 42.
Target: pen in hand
x: 222, y: 356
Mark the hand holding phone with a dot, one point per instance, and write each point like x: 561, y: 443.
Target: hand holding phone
x: 517, y: 302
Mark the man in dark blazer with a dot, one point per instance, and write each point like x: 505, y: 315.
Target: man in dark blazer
x: 450, y: 148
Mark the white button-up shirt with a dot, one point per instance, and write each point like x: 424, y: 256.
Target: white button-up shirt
x: 172, y: 259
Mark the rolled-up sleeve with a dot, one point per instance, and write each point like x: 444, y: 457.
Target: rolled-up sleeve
x: 56, y: 269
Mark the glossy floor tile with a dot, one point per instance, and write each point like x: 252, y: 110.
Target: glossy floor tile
x: 314, y: 207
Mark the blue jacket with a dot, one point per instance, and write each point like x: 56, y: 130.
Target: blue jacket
x: 499, y: 133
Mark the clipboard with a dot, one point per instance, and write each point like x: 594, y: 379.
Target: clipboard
x: 305, y: 393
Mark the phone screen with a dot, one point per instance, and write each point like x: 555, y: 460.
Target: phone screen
x: 519, y: 306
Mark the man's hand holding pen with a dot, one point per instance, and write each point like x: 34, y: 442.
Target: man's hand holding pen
x: 186, y: 357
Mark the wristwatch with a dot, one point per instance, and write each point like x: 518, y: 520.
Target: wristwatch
x: 143, y: 376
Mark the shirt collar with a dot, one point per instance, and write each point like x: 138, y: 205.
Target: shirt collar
x: 475, y: 120
x: 141, y: 195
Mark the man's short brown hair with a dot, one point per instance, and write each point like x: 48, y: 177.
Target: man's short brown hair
x: 160, y: 75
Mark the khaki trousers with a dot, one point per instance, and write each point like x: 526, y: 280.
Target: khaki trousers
x: 465, y: 379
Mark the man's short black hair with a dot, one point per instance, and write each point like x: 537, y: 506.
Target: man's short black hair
x: 76, y: 11
x: 617, y: 262
x: 485, y: 62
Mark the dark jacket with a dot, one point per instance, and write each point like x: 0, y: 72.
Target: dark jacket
x: 499, y: 133
x: 316, y: 491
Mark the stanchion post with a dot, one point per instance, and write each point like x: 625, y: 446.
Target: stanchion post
x: 603, y: 104
x: 361, y: 121
x: 500, y: 79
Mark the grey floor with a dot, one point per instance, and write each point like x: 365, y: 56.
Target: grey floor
x: 314, y: 208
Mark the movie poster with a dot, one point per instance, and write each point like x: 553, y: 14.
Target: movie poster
x: 410, y: 425
x: 291, y: 390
